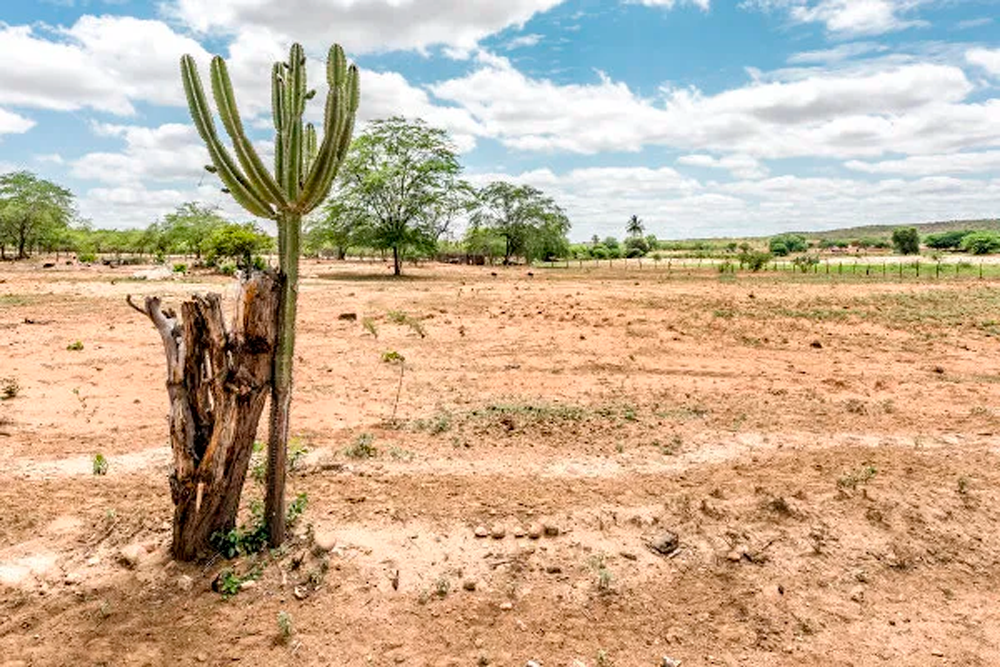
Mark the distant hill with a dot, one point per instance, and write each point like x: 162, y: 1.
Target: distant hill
x: 885, y: 231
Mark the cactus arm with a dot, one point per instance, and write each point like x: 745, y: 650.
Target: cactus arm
x: 311, y: 148
x: 337, y: 139
x: 227, y: 170
x: 259, y: 178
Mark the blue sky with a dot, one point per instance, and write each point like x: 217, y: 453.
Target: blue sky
x: 704, y: 117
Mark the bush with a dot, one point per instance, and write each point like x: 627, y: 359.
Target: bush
x: 906, y: 241
x: 947, y: 240
x: 86, y: 258
x: 981, y: 243
x: 754, y: 259
x: 180, y: 268
x: 785, y: 244
x: 805, y: 262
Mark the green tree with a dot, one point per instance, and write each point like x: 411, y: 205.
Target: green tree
x: 31, y: 209
x: 397, y: 181
x: 634, y: 226
x: 334, y: 228
x: 981, y: 243
x: 906, y: 241
x: 189, y: 227
x: 237, y: 242
x: 785, y: 244
x: 947, y: 240
x: 530, y: 223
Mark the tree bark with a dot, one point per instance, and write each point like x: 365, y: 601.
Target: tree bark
x: 217, y: 381
x: 396, y: 269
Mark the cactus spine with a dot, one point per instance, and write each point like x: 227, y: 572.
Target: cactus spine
x: 304, y: 172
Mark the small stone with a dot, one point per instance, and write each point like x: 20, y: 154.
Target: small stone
x: 73, y: 578
x: 857, y: 594
x: 497, y: 532
x: 551, y: 529
x: 553, y: 569
x: 469, y: 584
x: 735, y: 555
x: 201, y: 657
x: 817, y: 345
x: 518, y: 531
x: 665, y: 543
x: 300, y: 593
x: 348, y: 317
x: 506, y: 606
x: 535, y: 530
x: 185, y: 582
x: 482, y: 531
x: 324, y: 542
x: 247, y: 585
x: 131, y: 555
x: 628, y: 555
x: 93, y: 560
x: 670, y: 662
x: 532, y: 663
x: 937, y: 654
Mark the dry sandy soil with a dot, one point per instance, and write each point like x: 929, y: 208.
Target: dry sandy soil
x: 826, y: 451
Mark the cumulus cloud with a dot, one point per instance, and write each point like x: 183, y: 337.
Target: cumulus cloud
x: 913, y: 108
x: 847, y: 17
x: 103, y: 63
x: 704, y: 5
x: 364, y: 26
x: 988, y: 59
x: 930, y: 165
x: 169, y: 152
x: 740, y: 166
x: 12, y: 123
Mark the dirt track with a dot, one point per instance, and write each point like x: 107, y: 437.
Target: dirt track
x: 825, y: 450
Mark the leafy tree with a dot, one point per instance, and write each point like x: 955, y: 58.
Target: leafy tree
x: 906, y: 241
x: 397, y: 181
x: 636, y: 246
x: 336, y: 228
x: 189, y: 227
x: 981, y: 243
x: 947, y: 240
x: 785, y: 244
x: 634, y: 226
x: 30, y: 210
x: 530, y: 223
x: 238, y: 242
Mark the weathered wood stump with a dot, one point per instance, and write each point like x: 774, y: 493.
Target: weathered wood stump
x: 218, y: 381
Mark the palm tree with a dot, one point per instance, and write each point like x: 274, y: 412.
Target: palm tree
x: 635, y: 226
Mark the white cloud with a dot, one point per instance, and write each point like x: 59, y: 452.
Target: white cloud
x: 836, y: 54
x: 847, y: 17
x: 988, y: 59
x: 12, y: 123
x: 170, y: 152
x: 931, y: 165
x: 524, y: 41
x: 913, y: 108
x: 363, y: 26
x: 104, y: 63
x: 704, y: 5
x: 740, y: 166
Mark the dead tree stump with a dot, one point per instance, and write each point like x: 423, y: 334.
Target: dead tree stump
x: 218, y: 380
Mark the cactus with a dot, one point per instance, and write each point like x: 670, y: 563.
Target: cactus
x: 304, y: 172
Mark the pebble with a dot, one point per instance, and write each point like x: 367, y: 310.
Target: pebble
x: 506, y: 606
x: 666, y: 543
x: 324, y: 542
x: 498, y: 531
x: 535, y: 530
x: 670, y: 662
x: 131, y: 555
x: 553, y: 569
x: 73, y: 578
x: 469, y: 584
x: 857, y: 594
x: 201, y: 657
x: 185, y: 582
x: 246, y: 585
x: 482, y: 531
x: 735, y: 555
x: 519, y: 531
x: 551, y: 530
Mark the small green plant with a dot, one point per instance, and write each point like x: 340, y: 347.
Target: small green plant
x: 369, y: 325
x: 258, y: 463
x: 362, y: 447
x: 285, y: 629
x: 399, y: 454
x: 227, y: 269
x: 436, y: 425
x: 442, y: 586
x: 296, y: 508
x: 9, y: 388
x: 75, y: 346
x: 404, y: 319
x: 100, y: 465
x: 86, y: 258
x: 392, y: 357
x: 604, y: 577
x: 180, y: 268
x: 603, y: 660
x: 858, y: 477
x: 229, y: 583
x: 296, y: 452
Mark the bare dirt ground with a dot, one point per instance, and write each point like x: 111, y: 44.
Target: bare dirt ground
x: 825, y: 451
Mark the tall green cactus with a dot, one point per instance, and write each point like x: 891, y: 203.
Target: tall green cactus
x: 304, y: 171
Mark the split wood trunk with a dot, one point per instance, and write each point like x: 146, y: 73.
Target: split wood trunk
x: 218, y: 380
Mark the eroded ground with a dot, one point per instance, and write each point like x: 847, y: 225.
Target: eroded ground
x: 825, y: 450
